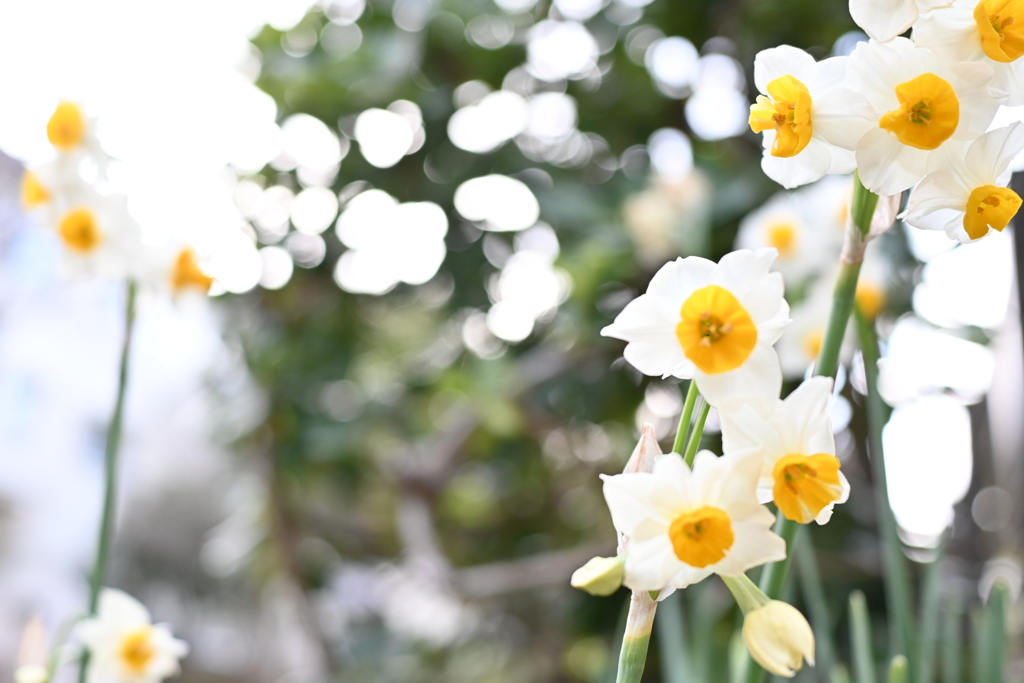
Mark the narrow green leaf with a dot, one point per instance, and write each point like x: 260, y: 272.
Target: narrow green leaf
x: 673, y: 649
x: 814, y: 597
x: 898, y: 670
x: 860, y: 639
x: 992, y: 648
x: 928, y: 633
x: 952, y: 635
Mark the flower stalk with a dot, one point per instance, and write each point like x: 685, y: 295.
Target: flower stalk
x: 636, y: 638
x: 110, y: 462
x: 685, y: 417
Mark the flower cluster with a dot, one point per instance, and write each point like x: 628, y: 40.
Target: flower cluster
x: 905, y: 112
x: 98, y: 237
x: 681, y: 520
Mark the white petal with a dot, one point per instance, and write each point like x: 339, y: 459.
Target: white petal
x: 783, y: 60
x: 951, y: 33
x: 629, y: 500
x: 746, y: 427
x: 803, y: 419
x: 841, y: 117
x: 977, y: 106
x: 651, y: 564
x: 760, y: 376
x: 754, y: 543
x: 687, y: 576
x: 117, y: 607
x: 991, y: 154
x: 677, y: 280
x: 739, y: 473
x: 886, y: 165
x: 884, y: 19
x: 1009, y: 78
x: 831, y: 73
x: 745, y: 273
x: 811, y: 164
x: 933, y: 199
x: 648, y: 323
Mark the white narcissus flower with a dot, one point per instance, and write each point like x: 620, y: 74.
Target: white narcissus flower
x: 811, y: 121
x: 920, y: 104
x: 73, y: 135
x: 800, y: 470
x: 714, y: 323
x: 791, y: 223
x: 988, y: 30
x: 174, y: 268
x: 970, y: 196
x: 126, y: 646
x: 685, y: 525
x: 883, y: 20
x: 98, y: 236
x: 779, y: 638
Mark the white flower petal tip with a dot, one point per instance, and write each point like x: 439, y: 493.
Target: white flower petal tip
x: 715, y: 323
x: 779, y: 638
x: 125, y: 645
x: 810, y: 120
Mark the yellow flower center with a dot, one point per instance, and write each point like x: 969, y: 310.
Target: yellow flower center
x: 80, y: 231
x: 186, y: 273
x: 805, y: 485
x: 782, y: 236
x: 1001, y: 27
x: 701, y: 537
x: 716, y: 332
x: 33, y: 193
x: 788, y: 112
x: 66, y: 128
x: 989, y: 207
x: 928, y: 114
x: 137, y: 651
x: 870, y: 298
x: 813, y: 342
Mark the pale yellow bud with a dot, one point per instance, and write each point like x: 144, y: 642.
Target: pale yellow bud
x: 779, y: 638
x: 600, y: 576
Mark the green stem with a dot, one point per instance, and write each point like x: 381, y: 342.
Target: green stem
x: 748, y: 596
x: 843, y: 298
x: 698, y: 432
x: 897, y: 579
x: 952, y: 635
x: 110, y: 470
x: 636, y: 638
x: 862, y: 208
x: 684, y: 419
x: 931, y: 595
x: 814, y: 598
x: 860, y: 639
x: 898, y: 670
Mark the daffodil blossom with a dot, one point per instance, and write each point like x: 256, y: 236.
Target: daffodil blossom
x: 920, y: 104
x: 811, y: 121
x: 685, y: 525
x: 800, y: 470
x: 98, y: 236
x: 883, y: 20
x: 174, y: 268
x: 73, y: 135
x: 715, y: 323
x: 125, y: 646
x: 791, y: 226
x: 991, y: 31
x: 970, y: 197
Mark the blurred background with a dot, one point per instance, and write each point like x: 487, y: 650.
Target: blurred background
x: 372, y: 454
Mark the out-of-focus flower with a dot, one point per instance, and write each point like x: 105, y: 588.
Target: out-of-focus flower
x: 174, y: 268
x: 991, y: 31
x: 72, y: 135
x: 126, y: 646
x: 779, y: 638
x: 669, y: 217
x: 800, y: 470
x: 98, y: 236
x: 684, y: 525
x: 715, y: 323
x: 800, y: 345
x: 600, y: 575
x: 921, y: 105
x: 969, y: 196
x: 792, y: 226
x: 811, y: 121
x: 883, y: 20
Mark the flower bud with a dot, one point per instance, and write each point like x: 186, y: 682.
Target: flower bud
x: 600, y: 576
x: 779, y: 638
